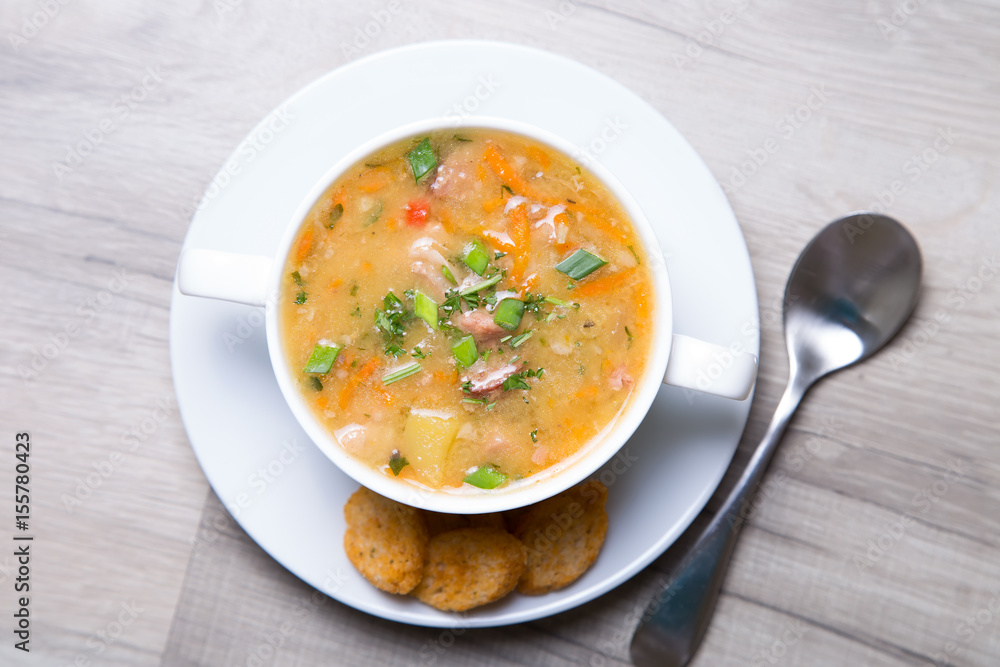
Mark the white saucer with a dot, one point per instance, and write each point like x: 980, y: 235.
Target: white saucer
x: 280, y: 488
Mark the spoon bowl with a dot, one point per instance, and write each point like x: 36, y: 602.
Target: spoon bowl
x: 849, y: 293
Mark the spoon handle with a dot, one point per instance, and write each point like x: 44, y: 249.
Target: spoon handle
x: 675, y: 621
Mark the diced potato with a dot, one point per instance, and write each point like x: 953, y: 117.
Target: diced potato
x: 427, y: 438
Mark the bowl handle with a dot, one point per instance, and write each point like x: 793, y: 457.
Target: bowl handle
x: 713, y: 369
x: 224, y: 275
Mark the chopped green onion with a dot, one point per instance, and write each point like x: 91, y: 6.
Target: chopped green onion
x: 301, y: 297
x: 580, y: 264
x: 321, y: 359
x: 515, y: 382
x: 486, y: 477
x: 520, y: 339
x: 297, y: 277
x: 465, y: 351
x: 475, y: 401
x: 422, y: 159
x: 448, y: 274
x: 489, y: 282
x: 404, y: 372
x: 426, y: 309
x: 335, y: 214
x: 634, y: 254
x: 556, y: 302
x: 392, y: 302
x: 397, y: 462
x: 475, y: 257
x: 534, y: 435
x: 374, y: 213
x: 315, y: 383
x: 508, y: 314
x: 459, y: 137
x: 508, y: 189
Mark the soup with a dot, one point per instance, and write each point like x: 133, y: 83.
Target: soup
x: 466, y: 309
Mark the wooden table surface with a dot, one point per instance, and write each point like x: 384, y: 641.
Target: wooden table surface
x: 877, y: 541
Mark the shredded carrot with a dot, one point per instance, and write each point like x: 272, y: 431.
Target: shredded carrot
x: 498, y: 163
x: 480, y: 173
x: 304, y: 246
x: 375, y: 179
x: 604, y: 284
x: 490, y: 205
x: 576, y: 431
x: 539, y: 156
x: 322, y: 402
x: 387, y: 396
x: 362, y: 376
x: 520, y: 235
x: 444, y: 376
x: 599, y: 218
x: 529, y: 284
x: 499, y: 239
x: 335, y: 285
x: 447, y: 218
x: 366, y: 266
x: 587, y: 392
x: 642, y: 305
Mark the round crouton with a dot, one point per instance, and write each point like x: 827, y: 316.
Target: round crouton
x: 470, y: 567
x: 562, y: 536
x: 386, y: 541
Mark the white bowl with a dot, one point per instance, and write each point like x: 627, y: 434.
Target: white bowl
x: 679, y: 360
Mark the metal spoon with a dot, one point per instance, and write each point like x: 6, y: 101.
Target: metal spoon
x: 850, y: 291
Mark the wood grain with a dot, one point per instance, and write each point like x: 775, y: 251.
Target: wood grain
x: 877, y: 540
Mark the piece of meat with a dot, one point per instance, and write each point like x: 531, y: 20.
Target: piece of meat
x: 619, y: 378
x: 484, y: 380
x: 540, y: 455
x: 455, y: 177
x: 480, y: 324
